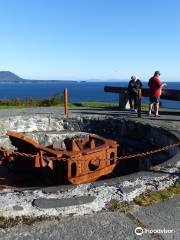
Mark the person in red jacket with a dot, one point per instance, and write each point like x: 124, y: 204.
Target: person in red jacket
x: 155, y: 87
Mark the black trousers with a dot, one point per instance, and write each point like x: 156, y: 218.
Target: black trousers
x: 133, y: 100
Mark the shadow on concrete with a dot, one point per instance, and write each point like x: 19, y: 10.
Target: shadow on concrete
x: 165, y: 119
x: 103, y: 109
x: 171, y: 112
x: 131, y: 115
x: 168, y: 115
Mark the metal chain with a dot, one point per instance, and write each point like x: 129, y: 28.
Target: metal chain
x: 142, y: 154
x: 145, y: 154
x: 16, y: 153
x: 28, y: 155
x: 135, y: 155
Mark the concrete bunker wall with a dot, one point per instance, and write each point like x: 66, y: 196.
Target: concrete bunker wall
x: 49, y: 129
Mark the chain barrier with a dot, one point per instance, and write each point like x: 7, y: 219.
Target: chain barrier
x: 145, y: 154
x: 135, y: 155
x: 28, y: 155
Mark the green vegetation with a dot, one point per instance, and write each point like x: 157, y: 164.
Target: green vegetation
x: 55, y: 100
x: 145, y: 106
x: 6, y: 222
x: 104, y: 105
x: 147, y: 198
x: 116, y: 205
x: 96, y: 104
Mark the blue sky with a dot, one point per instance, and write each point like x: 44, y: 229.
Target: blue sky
x: 90, y: 39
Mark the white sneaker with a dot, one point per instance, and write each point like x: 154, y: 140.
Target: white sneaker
x: 149, y: 114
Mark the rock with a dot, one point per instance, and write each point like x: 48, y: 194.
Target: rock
x: 64, y: 202
x: 17, y: 208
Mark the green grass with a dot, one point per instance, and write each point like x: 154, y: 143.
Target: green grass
x: 148, y: 198
x: 115, y: 205
x: 7, y: 107
x: 144, y: 106
x: 56, y: 100
x: 14, y: 103
x: 29, y: 106
x: 144, y: 200
x: 105, y: 105
x: 95, y: 104
x: 9, y: 222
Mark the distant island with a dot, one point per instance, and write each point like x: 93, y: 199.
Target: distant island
x: 9, y: 77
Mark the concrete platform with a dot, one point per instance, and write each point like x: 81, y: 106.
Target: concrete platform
x: 172, y: 115
x: 97, y: 224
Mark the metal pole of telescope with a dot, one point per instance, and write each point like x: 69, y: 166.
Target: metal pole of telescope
x: 65, y: 101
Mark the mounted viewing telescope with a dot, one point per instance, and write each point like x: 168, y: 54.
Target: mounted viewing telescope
x: 168, y: 94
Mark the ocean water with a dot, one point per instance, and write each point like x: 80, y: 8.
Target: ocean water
x: 78, y: 91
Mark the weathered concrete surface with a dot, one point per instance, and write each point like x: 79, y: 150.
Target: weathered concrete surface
x: 102, y: 226
x: 163, y: 215
x: 125, y: 189
x: 107, y: 225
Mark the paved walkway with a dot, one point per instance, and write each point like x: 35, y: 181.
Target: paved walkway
x: 162, y: 217
x: 169, y: 117
x: 166, y: 114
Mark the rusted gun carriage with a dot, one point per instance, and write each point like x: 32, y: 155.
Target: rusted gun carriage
x: 82, y: 160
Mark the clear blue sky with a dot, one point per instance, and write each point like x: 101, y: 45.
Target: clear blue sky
x: 86, y: 39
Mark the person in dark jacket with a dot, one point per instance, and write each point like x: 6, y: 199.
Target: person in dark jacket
x: 138, y: 84
x: 133, y: 86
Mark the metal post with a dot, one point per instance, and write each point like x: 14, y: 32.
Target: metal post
x: 139, y: 102
x: 65, y: 101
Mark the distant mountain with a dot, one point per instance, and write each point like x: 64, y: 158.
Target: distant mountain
x: 7, y: 76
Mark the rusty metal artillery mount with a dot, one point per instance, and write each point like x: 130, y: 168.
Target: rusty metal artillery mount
x: 82, y: 160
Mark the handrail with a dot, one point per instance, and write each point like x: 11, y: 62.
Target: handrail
x: 169, y: 94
